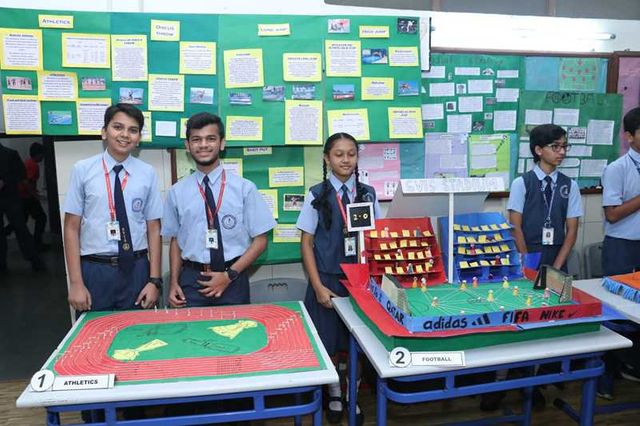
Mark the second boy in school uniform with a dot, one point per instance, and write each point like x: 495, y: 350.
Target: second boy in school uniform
x: 217, y: 222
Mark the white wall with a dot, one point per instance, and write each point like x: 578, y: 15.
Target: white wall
x: 452, y: 30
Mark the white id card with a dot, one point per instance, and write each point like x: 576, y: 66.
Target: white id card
x: 211, y: 239
x: 350, y: 246
x: 113, y: 231
x: 547, y: 236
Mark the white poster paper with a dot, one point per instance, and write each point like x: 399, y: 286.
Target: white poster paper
x: 600, y: 132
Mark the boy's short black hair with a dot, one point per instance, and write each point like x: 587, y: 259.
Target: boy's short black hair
x: 128, y: 109
x: 202, y: 119
x: 36, y: 149
x: 544, y: 135
x: 631, y: 120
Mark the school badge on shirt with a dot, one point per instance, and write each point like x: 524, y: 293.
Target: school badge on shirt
x: 136, y: 205
x: 229, y: 221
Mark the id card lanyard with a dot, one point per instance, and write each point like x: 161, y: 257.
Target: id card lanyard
x: 211, y: 237
x: 113, y: 227
x: 547, y: 229
x: 349, y: 241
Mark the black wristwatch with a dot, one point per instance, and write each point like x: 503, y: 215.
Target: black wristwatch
x: 232, y: 274
x: 156, y: 281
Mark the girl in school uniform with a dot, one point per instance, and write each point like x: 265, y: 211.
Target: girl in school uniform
x: 326, y: 244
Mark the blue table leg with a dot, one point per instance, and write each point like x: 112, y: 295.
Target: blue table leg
x: 587, y: 407
x: 317, y: 415
x: 53, y: 418
x: 353, y: 381
x: 110, y: 416
x: 527, y: 403
x: 297, y: 420
x: 381, y: 410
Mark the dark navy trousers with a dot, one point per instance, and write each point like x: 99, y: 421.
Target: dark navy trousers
x: 112, y: 289
x: 620, y: 256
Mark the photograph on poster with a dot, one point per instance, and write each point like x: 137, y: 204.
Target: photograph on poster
x: 131, y: 95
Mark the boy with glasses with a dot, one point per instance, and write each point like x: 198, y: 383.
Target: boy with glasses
x: 544, y: 204
x: 544, y: 208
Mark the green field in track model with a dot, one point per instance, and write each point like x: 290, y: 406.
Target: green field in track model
x: 453, y: 301
x: 188, y: 339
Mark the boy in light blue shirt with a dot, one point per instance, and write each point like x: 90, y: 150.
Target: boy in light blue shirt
x: 621, y: 245
x: 112, y: 217
x: 217, y: 222
x: 621, y: 203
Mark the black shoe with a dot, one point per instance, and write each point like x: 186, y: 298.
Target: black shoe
x: 335, y: 416
x: 539, y: 401
x: 491, y: 401
x: 629, y: 373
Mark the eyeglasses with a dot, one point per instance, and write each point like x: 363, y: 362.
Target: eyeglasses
x: 557, y: 147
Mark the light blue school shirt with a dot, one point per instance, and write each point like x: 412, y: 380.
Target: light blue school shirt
x: 308, y: 218
x: 621, y: 182
x: 518, y: 193
x: 243, y: 215
x: 87, y: 197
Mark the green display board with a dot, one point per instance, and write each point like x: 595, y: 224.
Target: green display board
x: 304, y: 35
x: 465, y: 71
x: 591, y: 146
x: 526, y: 79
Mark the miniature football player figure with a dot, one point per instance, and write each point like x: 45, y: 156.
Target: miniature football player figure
x: 516, y: 292
x: 474, y: 282
x: 410, y: 268
x: 497, y: 260
x: 434, y: 302
x: 547, y: 294
x: 472, y: 249
x: 463, y: 285
x: 417, y: 233
x: 490, y: 296
x: 415, y: 282
x: 427, y: 251
x: 385, y: 232
x: 529, y: 300
x: 505, y: 282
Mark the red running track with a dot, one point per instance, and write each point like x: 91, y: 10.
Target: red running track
x: 288, y: 345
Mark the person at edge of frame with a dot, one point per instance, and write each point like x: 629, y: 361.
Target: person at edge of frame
x: 621, y: 246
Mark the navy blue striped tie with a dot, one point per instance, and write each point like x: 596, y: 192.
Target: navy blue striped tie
x: 217, y: 256
x: 125, y: 245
